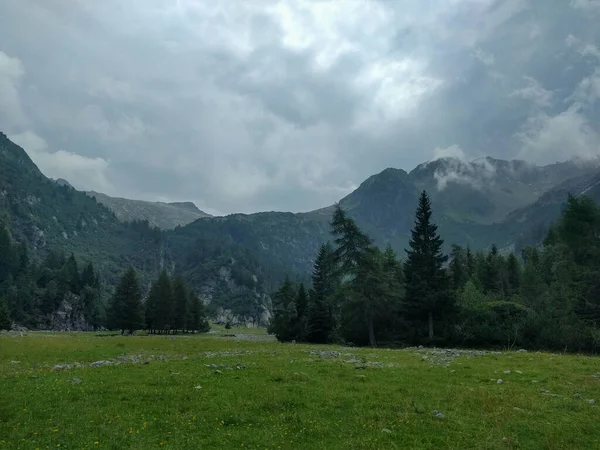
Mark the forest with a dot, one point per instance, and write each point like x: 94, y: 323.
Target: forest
x: 55, y: 293
x: 547, y: 297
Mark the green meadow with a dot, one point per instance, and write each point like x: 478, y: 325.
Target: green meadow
x: 240, y: 389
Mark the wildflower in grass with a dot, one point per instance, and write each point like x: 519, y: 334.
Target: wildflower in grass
x: 96, y: 443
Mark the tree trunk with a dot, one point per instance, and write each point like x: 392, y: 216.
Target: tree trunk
x: 430, y: 325
x: 372, y: 341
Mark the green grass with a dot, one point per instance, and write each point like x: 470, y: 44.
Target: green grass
x: 284, y: 397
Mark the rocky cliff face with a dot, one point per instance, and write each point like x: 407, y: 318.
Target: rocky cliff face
x: 68, y: 317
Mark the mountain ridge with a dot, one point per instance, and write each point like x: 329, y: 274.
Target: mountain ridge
x: 165, y: 216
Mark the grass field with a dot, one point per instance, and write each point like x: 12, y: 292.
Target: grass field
x: 217, y: 391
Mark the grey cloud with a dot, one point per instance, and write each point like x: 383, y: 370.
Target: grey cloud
x: 289, y: 105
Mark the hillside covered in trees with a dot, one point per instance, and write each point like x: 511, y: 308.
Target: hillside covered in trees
x: 548, y: 297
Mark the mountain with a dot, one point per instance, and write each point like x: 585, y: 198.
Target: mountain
x: 236, y: 261
x: 527, y: 225
x: 486, y: 190
x: 165, y: 216
x: 63, y: 182
x: 48, y: 215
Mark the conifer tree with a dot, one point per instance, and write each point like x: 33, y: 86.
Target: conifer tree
x: 126, y: 304
x: 458, y: 267
x: 159, y: 304
x: 321, y: 321
x: 492, y: 272
x: 301, y: 312
x: 5, y: 322
x: 285, y: 317
x: 513, y: 274
x: 8, y: 255
x: 428, y: 297
x: 469, y: 263
x: 89, y: 278
x: 389, y: 313
x: 361, y: 264
x: 180, y: 303
x: 72, y: 274
x: 198, y: 314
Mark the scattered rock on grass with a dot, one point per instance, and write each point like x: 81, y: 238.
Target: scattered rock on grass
x: 499, y: 381
x: 198, y: 387
x: 438, y: 414
x: 325, y: 353
x: 591, y: 401
x: 76, y: 381
x: 100, y: 363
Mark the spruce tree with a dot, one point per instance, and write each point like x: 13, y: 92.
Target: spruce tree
x: 513, y: 274
x: 492, y: 272
x: 389, y: 311
x: 428, y: 297
x: 159, y: 304
x: 361, y: 264
x: 321, y: 323
x: 180, y: 303
x: 198, y: 313
x: 353, y: 246
x: 285, y: 317
x: 191, y: 312
x: 9, y: 260
x: 165, y: 307
x: 72, y: 274
x: 126, y: 305
x: 89, y: 278
x: 301, y: 312
x: 458, y: 267
x: 5, y: 322
x: 469, y: 263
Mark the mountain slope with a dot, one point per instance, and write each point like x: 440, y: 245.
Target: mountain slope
x: 486, y: 190
x: 528, y: 225
x: 50, y: 216
x: 165, y: 216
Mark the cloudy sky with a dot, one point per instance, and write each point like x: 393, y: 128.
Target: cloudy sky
x: 288, y: 105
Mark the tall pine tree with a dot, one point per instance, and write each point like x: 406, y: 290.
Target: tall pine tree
x: 428, y: 296
x: 180, y: 303
x: 361, y: 267
x: 159, y: 304
x: 283, y: 322
x: 5, y: 322
x: 301, y: 312
x: 126, y: 304
x: 321, y: 320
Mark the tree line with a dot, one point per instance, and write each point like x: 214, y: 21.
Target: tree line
x: 170, y: 307
x: 547, y: 297
x: 31, y: 291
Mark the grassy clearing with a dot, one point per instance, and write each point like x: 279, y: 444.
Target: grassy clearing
x: 259, y: 394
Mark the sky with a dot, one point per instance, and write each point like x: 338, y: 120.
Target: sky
x: 259, y: 105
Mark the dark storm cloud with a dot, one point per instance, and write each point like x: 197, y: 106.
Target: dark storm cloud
x: 289, y: 105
